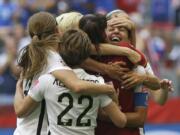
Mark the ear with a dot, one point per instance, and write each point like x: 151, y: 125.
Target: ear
x: 57, y: 30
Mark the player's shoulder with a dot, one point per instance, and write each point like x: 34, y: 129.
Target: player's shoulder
x: 53, y: 55
x: 140, y: 69
x: 46, y: 78
x: 83, y: 75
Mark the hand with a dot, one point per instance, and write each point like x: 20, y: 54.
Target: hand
x: 132, y: 79
x: 115, y: 96
x: 121, y: 22
x: 166, y: 85
x: 19, y: 86
x: 116, y: 70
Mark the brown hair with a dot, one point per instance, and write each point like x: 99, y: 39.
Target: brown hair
x: 75, y: 47
x: 42, y: 29
x: 94, y: 25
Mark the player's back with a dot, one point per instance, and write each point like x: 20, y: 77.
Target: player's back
x: 36, y: 122
x: 70, y: 113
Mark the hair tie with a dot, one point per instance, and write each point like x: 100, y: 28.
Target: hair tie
x: 35, y: 37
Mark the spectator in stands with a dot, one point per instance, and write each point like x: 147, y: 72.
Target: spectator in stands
x: 8, y: 68
x: 7, y: 9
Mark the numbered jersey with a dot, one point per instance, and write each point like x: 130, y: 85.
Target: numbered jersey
x: 69, y: 113
x: 36, y: 122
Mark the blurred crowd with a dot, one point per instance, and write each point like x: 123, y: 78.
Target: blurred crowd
x: 157, y: 21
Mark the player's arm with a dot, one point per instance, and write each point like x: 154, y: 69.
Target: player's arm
x: 134, y: 119
x: 109, y: 49
x: 138, y: 117
x: 132, y: 79
x: 112, y: 110
x: 116, y: 116
x: 28, y: 104
x: 152, y: 82
x: 65, y: 74
x: 114, y: 70
x: 160, y: 96
x: 23, y: 105
x: 70, y: 80
x: 148, y: 79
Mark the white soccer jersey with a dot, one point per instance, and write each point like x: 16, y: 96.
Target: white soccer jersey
x: 148, y: 69
x: 141, y: 70
x: 69, y: 113
x: 36, y: 122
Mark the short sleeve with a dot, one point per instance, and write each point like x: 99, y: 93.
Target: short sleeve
x: 140, y: 92
x: 104, y: 100
x: 148, y: 69
x: 39, y: 88
x: 140, y: 69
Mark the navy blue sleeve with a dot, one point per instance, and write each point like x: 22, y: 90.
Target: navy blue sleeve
x: 140, y: 99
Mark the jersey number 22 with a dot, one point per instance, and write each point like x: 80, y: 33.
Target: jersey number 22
x: 79, y: 123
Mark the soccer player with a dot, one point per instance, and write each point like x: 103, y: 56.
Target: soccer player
x: 135, y: 107
x: 71, y: 113
x: 118, y: 18
x: 41, y: 56
x: 70, y: 20
x: 135, y: 114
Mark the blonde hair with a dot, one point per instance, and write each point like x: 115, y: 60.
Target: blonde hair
x: 68, y: 21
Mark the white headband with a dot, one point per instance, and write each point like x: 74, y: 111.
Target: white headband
x: 114, y: 11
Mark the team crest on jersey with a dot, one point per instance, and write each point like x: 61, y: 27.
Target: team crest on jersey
x: 36, y: 82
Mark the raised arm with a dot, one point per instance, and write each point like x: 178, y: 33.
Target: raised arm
x: 109, y: 49
x: 160, y: 96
